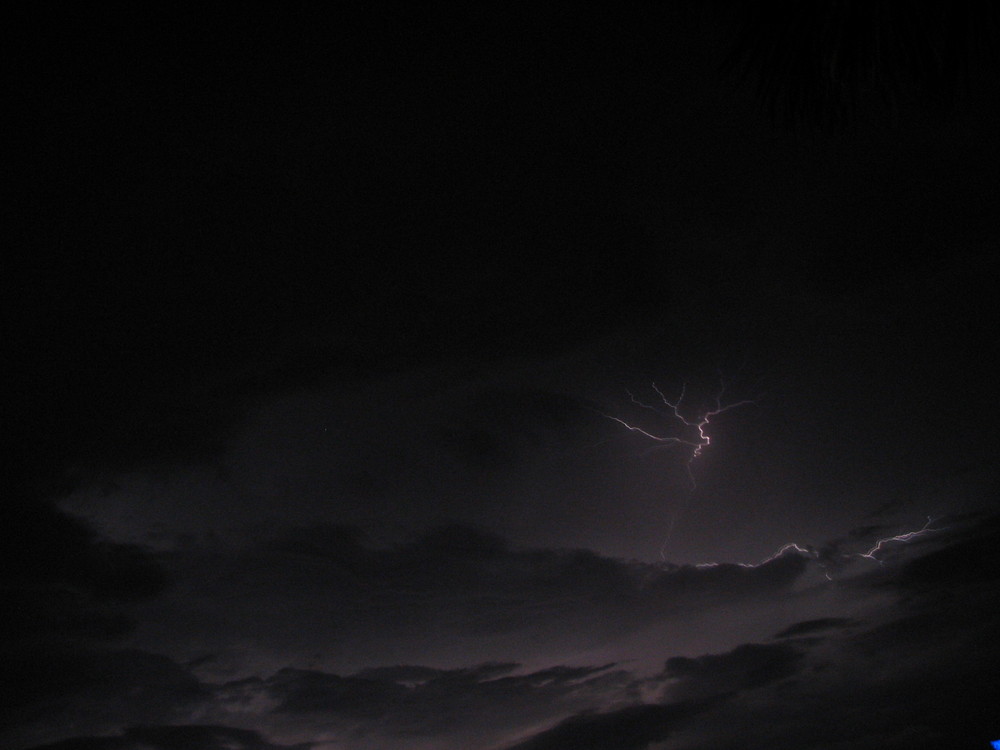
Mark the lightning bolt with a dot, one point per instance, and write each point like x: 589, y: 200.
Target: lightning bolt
x: 700, y: 439
x: 908, y: 536
x: 791, y: 546
x: 675, y: 414
x: 812, y: 554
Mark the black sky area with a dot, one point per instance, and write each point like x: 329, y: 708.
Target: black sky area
x: 325, y: 331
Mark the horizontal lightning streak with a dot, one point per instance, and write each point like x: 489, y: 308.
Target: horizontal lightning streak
x: 814, y: 555
x: 790, y: 546
x: 870, y: 554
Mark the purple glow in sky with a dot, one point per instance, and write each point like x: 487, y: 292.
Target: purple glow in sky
x: 341, y: 347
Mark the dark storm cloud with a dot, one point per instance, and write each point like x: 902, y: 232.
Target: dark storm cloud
x: 402, y: 704
x: 302, y: 691
x: 426, y: 702
x: 814, y: 626
x: 688, y: 687
x: 311, y: 591
x: 750, y: 665
x: 462, y: 581
x: 897, y: 697
x: 61, y: 580
x: 192, y: 737
x: 52, y: 549
x: 66, y: 594
x: 48, y: 689
x: 460, y: 557
x: 919, y: 673
x: 948, y: 594
x: 972, y: 559
x: 631, y: 728
x: 899, y: 675
x: 338, y: 543
x: 415, y: 675
x: 116, y: 672
x: 474, y: 582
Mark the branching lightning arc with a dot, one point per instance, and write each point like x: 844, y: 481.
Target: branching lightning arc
x: 810, y: 552
x: 698, y: 439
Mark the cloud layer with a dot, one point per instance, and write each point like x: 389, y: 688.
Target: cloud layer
x: 914, y: 670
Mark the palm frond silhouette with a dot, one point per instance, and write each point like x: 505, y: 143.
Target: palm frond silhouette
x: 817, y: 62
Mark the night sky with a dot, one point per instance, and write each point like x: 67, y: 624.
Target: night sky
x: 504, y: 377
